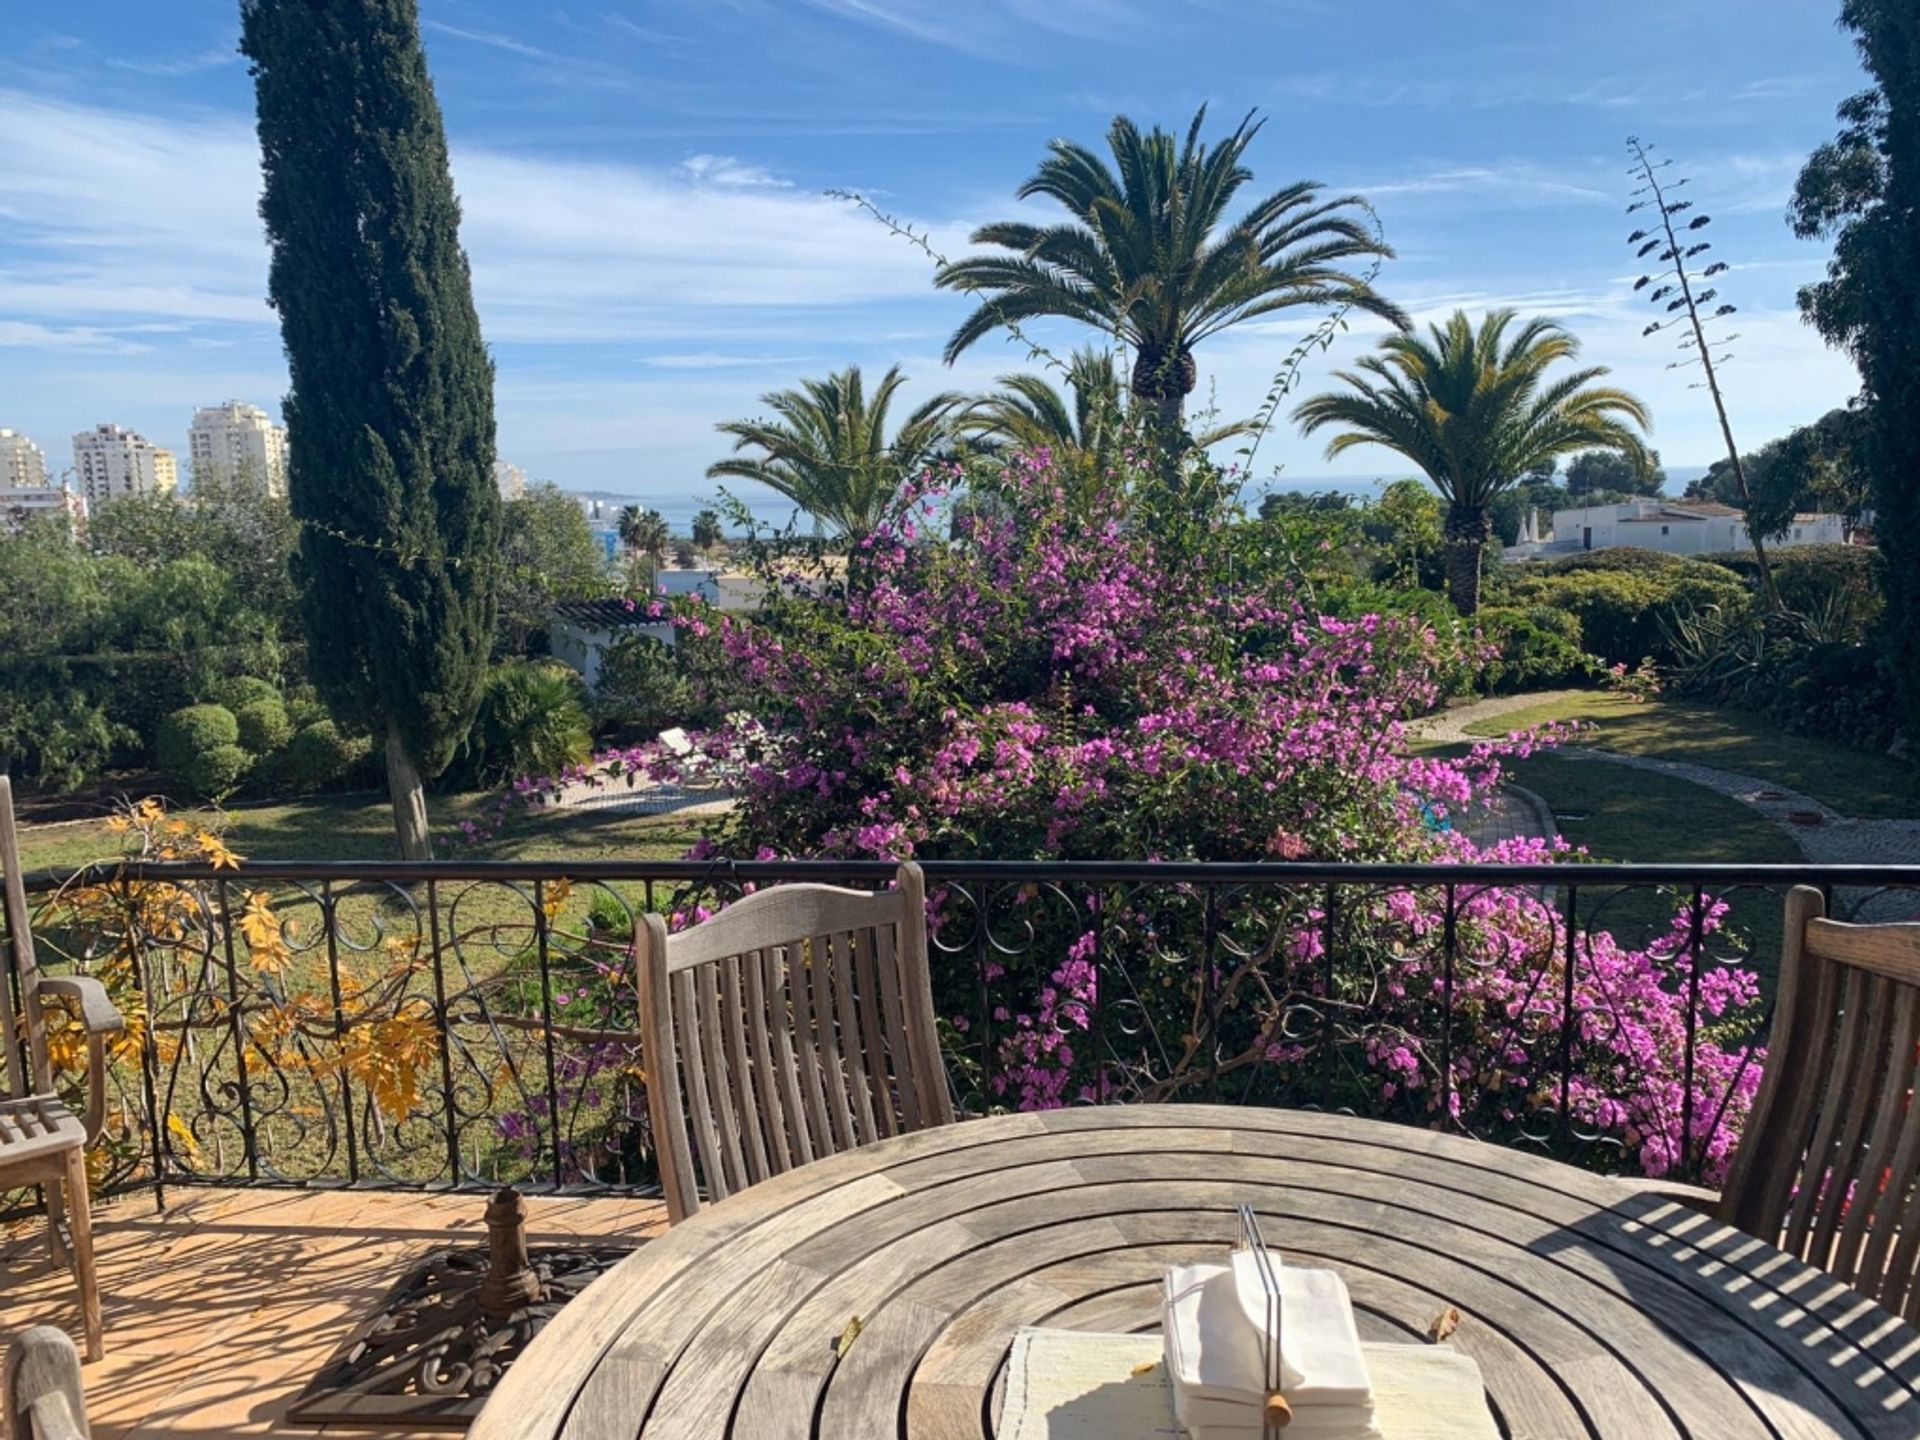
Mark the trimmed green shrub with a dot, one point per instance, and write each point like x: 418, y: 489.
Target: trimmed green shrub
x: 1820, y: 580
x: 217, y: 770
x: 190, y: 732
x: 317, y: 756
x: 1626, y: 615
x: 1626, y: 559
x: 1539, y: 645
x: 264, y: 726
x: 244, y: 690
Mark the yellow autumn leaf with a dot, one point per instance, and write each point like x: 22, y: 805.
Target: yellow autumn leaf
x: 387, y: 1056
x: 556, y: 895
x: 183, y: 1138
x: 848, y: 1336
x: 266, y: 944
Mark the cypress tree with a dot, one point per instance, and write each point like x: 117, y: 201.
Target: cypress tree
x: 390, y: 416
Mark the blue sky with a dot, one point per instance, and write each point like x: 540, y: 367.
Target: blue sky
x: 652, y: 248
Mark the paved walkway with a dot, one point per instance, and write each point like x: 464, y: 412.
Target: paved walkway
x: 1823, y: 835
x: 1449, y: 727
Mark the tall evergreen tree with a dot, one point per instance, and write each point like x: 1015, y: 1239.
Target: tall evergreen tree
x: 390, y: 417
x: 1863, y: 189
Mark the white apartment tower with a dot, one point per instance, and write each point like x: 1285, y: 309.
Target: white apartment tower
x: 511, y: 479
x: 22, y: 465
x: 110, y: 463
x: 238, y: 439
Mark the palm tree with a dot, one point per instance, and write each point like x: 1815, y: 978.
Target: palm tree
x: 1476, y: 411
x: 1145, y: 259
x: 645, y: 532
x: 1082, y: 427
x: 706, y: 530
x: 828, y: 450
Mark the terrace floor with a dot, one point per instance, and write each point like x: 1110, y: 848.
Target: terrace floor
x: 222, y: 1307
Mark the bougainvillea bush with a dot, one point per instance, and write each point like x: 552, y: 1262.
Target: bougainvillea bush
x: 1107, y: 671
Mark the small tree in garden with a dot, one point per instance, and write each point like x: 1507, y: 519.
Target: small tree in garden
x: 1476, y: 409
x: 1680, y: 288
x: 390, y: 418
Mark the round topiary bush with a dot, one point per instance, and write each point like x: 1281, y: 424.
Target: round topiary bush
x: 264, y: 726
x: 187, y: 734
x: 244, y: 690
x: 216, y: 770
x: 317, y: 756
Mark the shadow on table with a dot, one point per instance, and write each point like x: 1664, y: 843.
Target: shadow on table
x: 1768, y: 1322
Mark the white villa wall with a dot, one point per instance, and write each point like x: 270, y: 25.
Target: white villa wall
x: 1672, y: 531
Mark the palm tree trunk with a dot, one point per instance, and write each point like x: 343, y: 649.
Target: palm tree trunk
x: 409, y: 795
x: 1468, y: 530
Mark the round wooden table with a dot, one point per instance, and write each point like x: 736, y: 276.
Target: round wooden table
x: 1593, y: 1309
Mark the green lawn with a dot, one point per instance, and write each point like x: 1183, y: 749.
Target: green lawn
x: 1854, y: 782
x: 360, y: 827
x: 1615, y: 812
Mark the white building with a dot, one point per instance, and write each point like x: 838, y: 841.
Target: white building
x: 511, y: 479
x: 235, y: 439
x: 19, y: 504
x: 22, y: 464
x: 1676, y: 527
x: 110, y: 463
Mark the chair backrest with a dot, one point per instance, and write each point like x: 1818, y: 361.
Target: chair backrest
x: 23, y: 1070
x: 1828, y: 1167
x: 791, y: 1026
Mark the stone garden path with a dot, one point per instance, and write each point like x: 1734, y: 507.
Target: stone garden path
x: 1824, y: 835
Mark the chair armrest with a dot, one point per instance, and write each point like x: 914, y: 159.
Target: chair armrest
x: 96, y: 1010
x: 1694, y: 1197
x: 44, y: 1396
x: 99, y: 1019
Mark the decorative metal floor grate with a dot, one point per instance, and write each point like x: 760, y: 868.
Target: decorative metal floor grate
x: 445, y: 1334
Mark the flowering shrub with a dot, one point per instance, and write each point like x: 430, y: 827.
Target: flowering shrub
x: 1101, y: 671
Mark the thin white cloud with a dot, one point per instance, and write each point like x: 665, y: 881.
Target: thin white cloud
x: 492, y: 39
x: 27, y: 335
x: 214, y: 57
x: 728, y: 170
x: 1512, y: 181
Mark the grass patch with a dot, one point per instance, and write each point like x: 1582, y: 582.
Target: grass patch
x: 1855, y: 782
x: 360, y: 827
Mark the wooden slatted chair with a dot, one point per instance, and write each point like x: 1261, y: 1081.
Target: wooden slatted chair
x: 44, y: 1398
x: 1828, y: 1167
x: 42, y: 1142
x: 793, y: 1025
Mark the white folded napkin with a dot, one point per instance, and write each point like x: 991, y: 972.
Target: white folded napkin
x: 1214, y: 1321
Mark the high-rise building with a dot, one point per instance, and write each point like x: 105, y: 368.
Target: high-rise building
x: 19, y: 505
x: 238, y: 439
x: 110, y: 463
x: 511, y: 479
x: 22, y: 465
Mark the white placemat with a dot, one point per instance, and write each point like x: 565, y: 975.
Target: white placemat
x: 1065, y: 1385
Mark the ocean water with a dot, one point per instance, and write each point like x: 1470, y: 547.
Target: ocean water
x: 773, y: 510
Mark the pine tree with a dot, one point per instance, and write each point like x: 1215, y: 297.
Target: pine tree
x: 390, y: 417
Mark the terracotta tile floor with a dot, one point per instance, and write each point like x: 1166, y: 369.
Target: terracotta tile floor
x: 222, y: 1307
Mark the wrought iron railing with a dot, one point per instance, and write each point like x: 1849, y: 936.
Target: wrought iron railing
x: 467, y: 1024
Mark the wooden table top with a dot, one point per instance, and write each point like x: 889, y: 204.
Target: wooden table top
x: 1593, y: 1309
